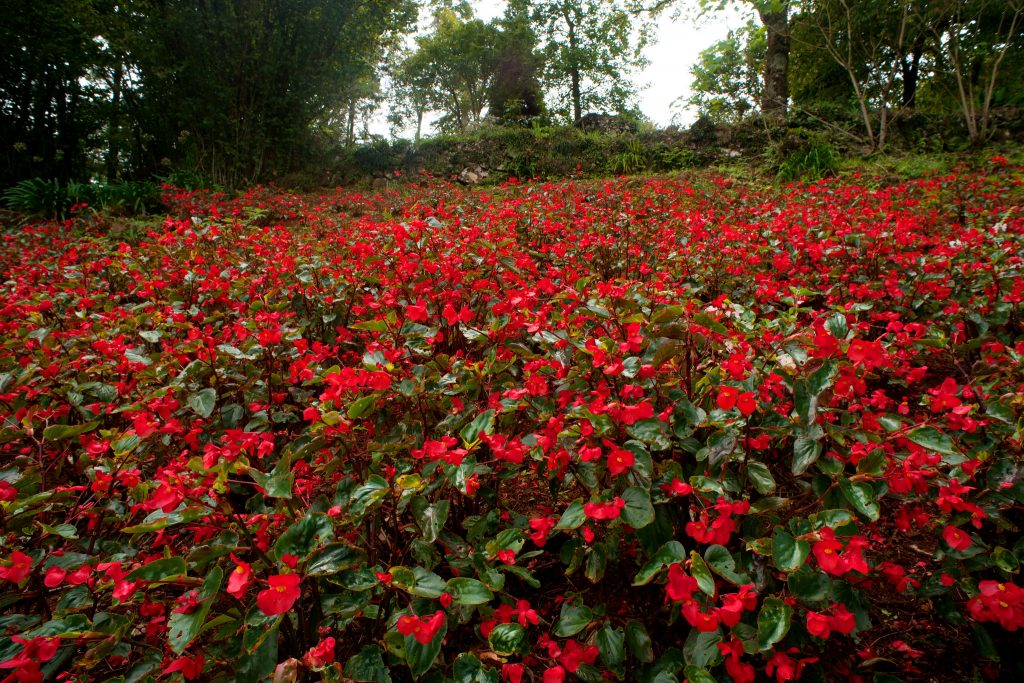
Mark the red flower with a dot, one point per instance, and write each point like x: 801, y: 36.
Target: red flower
x: 746, y: 402
x: 677, y: 488
x: 541, y: 526
x: 609, y: 510
x: 956, y: 539
x: 54, y: 577
x: 19, y: 569
x: 870, y: 354
x: 283, y: 592
x: 727, y: 397
x: 680, y: 584
x: 555, y: 674
x: 573, y: 655
x: 189, y: 667
x: 424, y: 629
x: 239, y: 579
x: 739, y: 671
x: 525, y: 614
x: 620, y: 460
x: 512, y: 673
x: 321, y: 654
x: 7, y: 492
x: 818, y: 625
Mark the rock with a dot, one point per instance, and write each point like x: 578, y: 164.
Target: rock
x: 472, y: 175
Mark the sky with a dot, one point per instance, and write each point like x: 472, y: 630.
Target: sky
x: 676, y: 47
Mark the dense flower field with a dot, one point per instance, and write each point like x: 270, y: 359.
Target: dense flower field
x: 639, y: 431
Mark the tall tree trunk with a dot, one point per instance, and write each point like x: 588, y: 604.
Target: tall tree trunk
x: 576, y: 93
x: 775, y: 99
x: 114, y: 130
x: 909, y: 69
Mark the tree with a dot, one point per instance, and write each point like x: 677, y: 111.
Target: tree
x: 47, y: 107
x: 727, y: 78
x: 774, y: 16
x: 234, y: 87
x: 451, y: 71
x: 855, y: 35
x: 974, y: 37
x: 516, y: 92
x: 589, y: 48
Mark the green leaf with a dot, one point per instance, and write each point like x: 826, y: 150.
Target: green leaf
x: 333, y: 559
x: 837, y: 325
x: 368, y: 494
x: 572, y: 620
x: 367, y: 666
x: 932, y: 439
x: 611, y: 645
x: 361, y: 406
x: 159, y: 569
x: 861, y: 495
x: 507, y: 639
x: 430, y: 518
x: 723, y: 564
x: 597, y: 563
x: 301, y: 538
x: 203, y: 402
x: 639, y: 641
x: 1005, y: 560
x: 277, y: 484
x: 701, y: 649
x: 162, y: 521
x: 421, y: 657
x: 639, y: 512
x: 772, y: 622
x: 788, y: 553
x: 183, y: 628
x: 466, y: 591
x: 695, y: 675
x: 573, y: 517
x: 670, y: 553
x: 702, y: 573
x: 482, y: 424
x: 805, y: 452
x: 809, y: 584
x: 469, y: 669
x: 370, y: 326
x: 58, y: 432
x: 761, y: 477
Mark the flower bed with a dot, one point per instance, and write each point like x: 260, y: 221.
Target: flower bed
x: 600, y: 431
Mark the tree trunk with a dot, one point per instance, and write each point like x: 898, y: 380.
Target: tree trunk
x: 574, y: 69
x: 910, y: 71
x: 775, y: 99
x: 114, y: 131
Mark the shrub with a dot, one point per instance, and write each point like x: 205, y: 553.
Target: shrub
x: 815, y: 161
x: 46, y: 198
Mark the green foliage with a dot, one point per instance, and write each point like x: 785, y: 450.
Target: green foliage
x: 727, y: 79
x: 633, y: 160
x: 51, y: 199
x: 452, y: 71
x: 813, y: 162
x: 38, y: 197
x: 589, y: 49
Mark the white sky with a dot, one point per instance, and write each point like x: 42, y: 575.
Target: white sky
x: 675, y: 48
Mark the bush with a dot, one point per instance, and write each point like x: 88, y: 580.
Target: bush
x: 50, y: 199
x: 38, y: 197
x: 813, y: 162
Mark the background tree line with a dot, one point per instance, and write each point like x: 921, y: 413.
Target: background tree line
x: 244, y: 90
x: 876, y: 62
